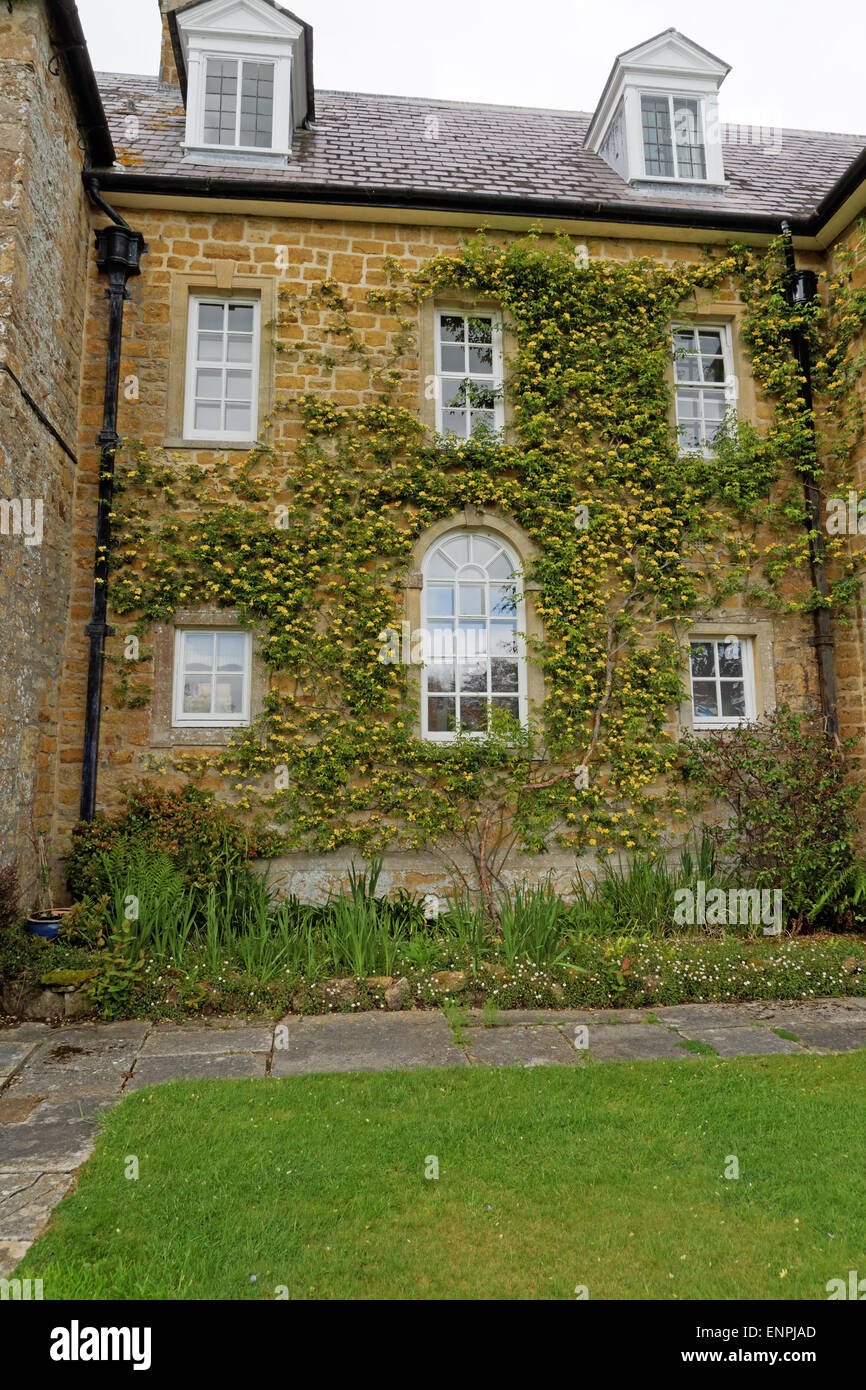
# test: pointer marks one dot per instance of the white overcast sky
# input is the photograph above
(795, 63)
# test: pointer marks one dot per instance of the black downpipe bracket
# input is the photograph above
(802, 288)
(118, 254)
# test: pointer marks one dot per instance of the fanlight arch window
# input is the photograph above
(472, 619)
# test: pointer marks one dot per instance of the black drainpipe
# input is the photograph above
(801, 289)
(118, 253)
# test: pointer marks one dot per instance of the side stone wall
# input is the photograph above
(44, 232)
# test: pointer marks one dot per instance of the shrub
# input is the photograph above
(792, 809)
(201, 837)
(9, 895)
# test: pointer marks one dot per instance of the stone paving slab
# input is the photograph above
(60, 1145)
(89, 1058)
(366, 1042)
(198, 1066)
(745, 1041)
(633, 1042)
(12, 1054)
(783, 1012)
(26, 1201)
(522, 1046)
(686, 1016)
(476, 1018)
(173, 1040)
(831, 1037)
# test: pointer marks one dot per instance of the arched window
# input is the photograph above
(472, 622)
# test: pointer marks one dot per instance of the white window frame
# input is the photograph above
(725, 721)
(192, 363)
(498, 368)
(238, 59)
(672, 98)
(182, 720)
(449, 736)
(728, 389)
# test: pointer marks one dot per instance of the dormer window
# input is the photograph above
(239, 103)
(244, 69)
(673, 144)
(657, 121)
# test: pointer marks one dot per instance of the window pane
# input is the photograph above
(500, 568)
(472, 639)
(483, 550)
(440, 675)
(730, 658)
(481, 361)
(453, 392)
(480, 397)
(440, 567)
(239, 386)
(240, 349)
(454, 422)
(240, 318)
(472, 598)
(197, 651)
(197, 695)
(705, 699)
(211, 316)
(480, 330)
(734, 699)
(230, 651)
(703, 658)
(688, 404)
(710, 342)
(511, 707)
(658, 148)
(451, 328)
(238, 419)
(440, 601)
(687, 368)
(473, 675)
(503, 639)
(503, 674)
(714, 369)
(473, 715)
(229, 695)
(482, 419)
(209, 384)
(452, 358)
(458, 550)
(503, 600)
(208, 417)
(210, 347)
(440, 714)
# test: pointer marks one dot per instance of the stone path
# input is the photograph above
(55, 1081)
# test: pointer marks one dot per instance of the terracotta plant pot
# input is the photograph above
(47, 924)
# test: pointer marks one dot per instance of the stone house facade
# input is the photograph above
(251, 189)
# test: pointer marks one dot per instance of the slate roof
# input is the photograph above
(422, 148)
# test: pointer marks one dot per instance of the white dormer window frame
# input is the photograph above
(674, 102)
(672, 70)
(241, 41)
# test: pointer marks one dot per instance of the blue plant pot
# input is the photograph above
(46, 927)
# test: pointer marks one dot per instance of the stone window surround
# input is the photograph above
(737, 624)
(163, 734)
(462, 301)
(225, 281)
(503, 529)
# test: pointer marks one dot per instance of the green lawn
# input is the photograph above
(607, 1175)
